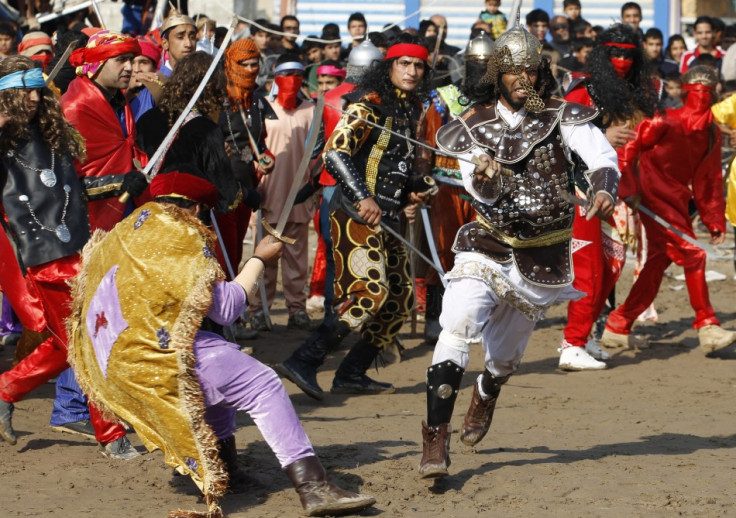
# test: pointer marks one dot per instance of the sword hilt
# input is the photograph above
(278, 235)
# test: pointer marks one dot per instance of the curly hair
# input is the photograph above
(619, 99)
(377, 78)
(184, 81)
(56, 132)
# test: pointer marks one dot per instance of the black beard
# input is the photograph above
(506, 94)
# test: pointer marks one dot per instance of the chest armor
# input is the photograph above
(530, 221)
(387, 160)
(531, 203)
(47, 214)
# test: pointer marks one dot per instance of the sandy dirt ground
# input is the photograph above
(654, 435)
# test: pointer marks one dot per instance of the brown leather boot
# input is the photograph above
(436, 450)
(318, 494)
(478, 419)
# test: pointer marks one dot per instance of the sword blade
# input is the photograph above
(432, 246)
(392, 132)
(679, 233)
(411, 247)
(62, 60)
(164, 146)
(302, 169)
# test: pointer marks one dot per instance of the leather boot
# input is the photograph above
(432, 326)
(350, 377)
(301, 367)
(318, 494)
(238, 480)
(6, 422)
(480, 413)
(435, 450)
(443, 385)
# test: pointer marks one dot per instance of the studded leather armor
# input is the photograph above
(45, 208)
(530, 220)
(368, 161)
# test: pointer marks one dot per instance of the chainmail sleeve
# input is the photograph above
(345, 141)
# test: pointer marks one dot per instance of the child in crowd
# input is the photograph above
(571, 8)
(8, 37)
(493, 17)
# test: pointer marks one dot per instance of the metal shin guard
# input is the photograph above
(480, 414)
(443, 384)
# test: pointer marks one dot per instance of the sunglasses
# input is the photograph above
(558, 27)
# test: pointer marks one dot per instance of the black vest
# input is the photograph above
(60, 227)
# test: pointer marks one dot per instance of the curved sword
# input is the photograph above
(432, 245)
(278, 231)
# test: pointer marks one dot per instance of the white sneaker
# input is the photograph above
(593, 349)
(315, 303)
(577, 359)
(630, 341)
(714, 337)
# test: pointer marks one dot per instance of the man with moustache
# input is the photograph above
(95, 105)
(513, 262)
(372, 166)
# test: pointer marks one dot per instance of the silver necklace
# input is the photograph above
(61, 230)
(48, 177)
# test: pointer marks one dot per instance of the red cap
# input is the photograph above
(184, 185)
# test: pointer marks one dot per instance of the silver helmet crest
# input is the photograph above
(480, 47)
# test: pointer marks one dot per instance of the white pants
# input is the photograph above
(471, 313)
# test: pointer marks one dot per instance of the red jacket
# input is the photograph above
(109, 151)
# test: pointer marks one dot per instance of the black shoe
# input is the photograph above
(238, 480)
(6, 422)
(302, 375)
(83, 427)
(350, 377)
(360, 384)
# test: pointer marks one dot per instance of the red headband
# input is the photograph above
(104, 52)
(184, 185)
(331, 70)
(27, 44)
(620, 45)
(407, 49)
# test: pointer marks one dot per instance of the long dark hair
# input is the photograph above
(183, 82)
(620, 99)
(57, 133)
(377, 78)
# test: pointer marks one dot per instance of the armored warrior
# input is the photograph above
(372, 166)
(514, 261)
(43, 204)
(451, 207)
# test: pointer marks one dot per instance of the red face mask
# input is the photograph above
(44, 59)
(696, 111)
(621, 66)
(288, 89)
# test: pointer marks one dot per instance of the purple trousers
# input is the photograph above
(231, 380)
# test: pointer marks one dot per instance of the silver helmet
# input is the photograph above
(517, 48)
(515, 51)
(480, 47)
(361, 57)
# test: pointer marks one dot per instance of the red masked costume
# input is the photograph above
(109, 135)
(679, 157)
